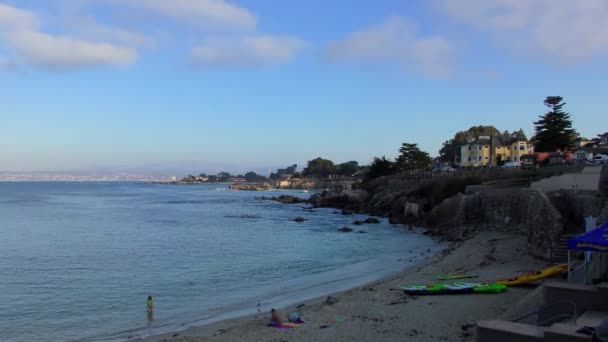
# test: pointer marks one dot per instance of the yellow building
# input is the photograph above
(493, 151)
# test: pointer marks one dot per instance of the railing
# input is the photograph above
(559, 317)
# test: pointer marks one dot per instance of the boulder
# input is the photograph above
(371, 220)
(251, 187)
(285, 199)
(411, 211)
(339, 199)
(518, 210)
(331, 300)
(345, 229)
(347, 212)
(299, 219)
(358, 223)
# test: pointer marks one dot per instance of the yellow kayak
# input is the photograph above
(530, 277)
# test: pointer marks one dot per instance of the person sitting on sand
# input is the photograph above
(150, 304)
(274, 317)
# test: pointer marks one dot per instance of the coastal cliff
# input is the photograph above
(457, 207)
(338, 184)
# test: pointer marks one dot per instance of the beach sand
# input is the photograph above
(377, 313)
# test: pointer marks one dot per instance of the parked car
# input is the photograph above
(600, 159)
(510, 165)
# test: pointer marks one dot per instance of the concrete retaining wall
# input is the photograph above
(588, 179)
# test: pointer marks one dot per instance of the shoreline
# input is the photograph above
(402, 261)
(374, 312)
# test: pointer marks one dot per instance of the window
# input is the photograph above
(522, 147)
(515, 158)
(469, 158)
(487, 146)
(487, 158)
(509, 158)
(509, 148)
(479, 158)
(469, 147)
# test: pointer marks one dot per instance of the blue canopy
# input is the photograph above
(593, 241)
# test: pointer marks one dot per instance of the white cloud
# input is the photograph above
(556, 30)
(248, 51)
(396, 41)
(212, 15)
(14, 18)
(21, 35)
(87, 27)
(65, 53)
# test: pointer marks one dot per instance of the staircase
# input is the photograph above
(560, 255)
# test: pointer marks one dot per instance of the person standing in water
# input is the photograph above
(150, 304)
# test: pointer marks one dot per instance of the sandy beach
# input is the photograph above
(377, 313)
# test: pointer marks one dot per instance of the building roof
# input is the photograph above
(497, 140)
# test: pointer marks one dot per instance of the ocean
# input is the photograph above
(78, 260)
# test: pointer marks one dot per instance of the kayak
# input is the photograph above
(454, 288)
(459, 276)
(488, 288)
(530, 277)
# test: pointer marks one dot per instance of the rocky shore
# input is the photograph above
(251, 187)
(458, 207)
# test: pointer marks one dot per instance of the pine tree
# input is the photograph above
(412, 158)
(554, 129)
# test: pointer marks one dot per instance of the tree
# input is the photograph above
(319, 168)
(348, 168)
(203, 175)
(380, 167)
(554, 129)
(520, 135)
(223, 176)
(288, 171)
(450, 151)
(254, 177)
(412, 158)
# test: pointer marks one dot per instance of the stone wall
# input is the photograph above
(522, 211)
(588, 179)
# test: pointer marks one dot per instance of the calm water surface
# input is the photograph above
(77, 260)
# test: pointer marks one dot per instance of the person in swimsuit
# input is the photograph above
(274, 317)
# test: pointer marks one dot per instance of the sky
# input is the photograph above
(209, 84)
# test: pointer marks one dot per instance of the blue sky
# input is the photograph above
(109, 84)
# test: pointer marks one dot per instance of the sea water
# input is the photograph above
(78, 260)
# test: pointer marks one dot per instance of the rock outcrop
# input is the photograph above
(346, 199)
(520, 210)
(251, 187)
(285, 199)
